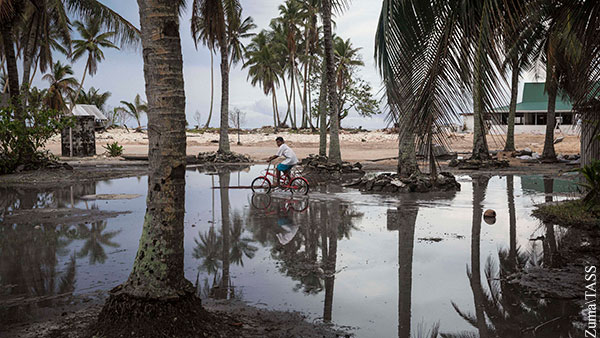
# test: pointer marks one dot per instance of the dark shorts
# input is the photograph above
(284, 167)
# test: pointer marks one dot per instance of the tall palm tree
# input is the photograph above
(135, 109)
(92, 41)
(219, 18)
(61, 85)
(199, 34)
(335, 155)
(263, 68)
(291, 16)
(346, 58)
(42, 24)
(158, 275)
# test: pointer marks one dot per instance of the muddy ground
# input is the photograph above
(247, 320)
(72, 321)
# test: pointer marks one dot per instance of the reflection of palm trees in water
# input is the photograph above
(321, 225)
(403, 220)
(29, 277)
(505, 309)
(218, 251)
(95, 240)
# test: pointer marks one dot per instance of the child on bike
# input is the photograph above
(289, 161)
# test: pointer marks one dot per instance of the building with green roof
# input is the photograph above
(530, 117)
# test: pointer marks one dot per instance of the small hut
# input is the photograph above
(80, 140)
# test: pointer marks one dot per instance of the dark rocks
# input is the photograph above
(392, 183)
(317, 169)
(216, 157)
(471, 164)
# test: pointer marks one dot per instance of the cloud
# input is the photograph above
(121, 72)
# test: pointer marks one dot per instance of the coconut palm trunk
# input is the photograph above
(85, 71)
(590, 143)
(334, 141)
(551, 88)
(514, 90)
(157, 275)
(11, 65)
(212, 89)
(224, 128)
(407, 157)
(28, 57)
(323, 114)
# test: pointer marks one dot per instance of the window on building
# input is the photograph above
(567, 118)
(540, 119)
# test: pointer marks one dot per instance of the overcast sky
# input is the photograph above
(121, 72)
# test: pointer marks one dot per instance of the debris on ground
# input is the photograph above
(217, 157)
(393, 183)
(317, 169)
(472, 164)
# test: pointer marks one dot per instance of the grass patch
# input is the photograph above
(572, 213)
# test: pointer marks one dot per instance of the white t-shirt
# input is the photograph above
(288, 153)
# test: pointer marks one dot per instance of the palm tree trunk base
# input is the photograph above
(123, 314)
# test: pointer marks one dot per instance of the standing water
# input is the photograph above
(379, 265)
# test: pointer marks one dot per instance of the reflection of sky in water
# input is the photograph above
(366, 285)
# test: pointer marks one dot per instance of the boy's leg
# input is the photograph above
(278, 177)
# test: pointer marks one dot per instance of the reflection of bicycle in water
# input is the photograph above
(264, 201)
(283, 210)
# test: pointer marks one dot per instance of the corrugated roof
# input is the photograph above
(88, 110)
(535, 99)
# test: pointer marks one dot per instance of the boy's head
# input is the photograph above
(279, 140)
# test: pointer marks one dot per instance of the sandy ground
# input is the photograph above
(359, 146)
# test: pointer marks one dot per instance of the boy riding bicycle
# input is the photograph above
(289, 161)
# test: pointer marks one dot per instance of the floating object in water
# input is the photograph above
(489, 213)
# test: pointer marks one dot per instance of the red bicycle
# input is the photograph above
(297, 184)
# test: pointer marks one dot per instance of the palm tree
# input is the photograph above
(92, 42)
(346, 58)
(263, 68)
(61, 85)
(12, 15)
(291, 15)
(158, 271)
(218, 18)
(135, 109)
(334, 141)
(429, 52)
(94, 97)
(199, 34)
(42, 24)
(239, 30)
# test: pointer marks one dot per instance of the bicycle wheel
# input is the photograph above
(261, 184)
(261, 201)
(299, 185)
(299, 206)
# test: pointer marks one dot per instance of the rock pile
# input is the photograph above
(393, 183)
(216, 157)
(470, 164)
(317, 169)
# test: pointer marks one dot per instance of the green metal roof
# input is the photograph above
(536, 99)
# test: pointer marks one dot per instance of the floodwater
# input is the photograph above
(382, 266)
